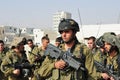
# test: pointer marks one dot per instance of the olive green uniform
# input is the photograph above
(106, 59)
(113, 62)
(100, 57)
(7, 66)
(47, 70)
(41, 52)
(32, 55)
(2, 56)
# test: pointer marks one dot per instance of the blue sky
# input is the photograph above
(38, 13)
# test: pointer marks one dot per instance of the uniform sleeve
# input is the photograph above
(32, 55)
(6, 66)
(31, 58)
(89, 63)
(47, 67)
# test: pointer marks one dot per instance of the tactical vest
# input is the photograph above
(77, 51)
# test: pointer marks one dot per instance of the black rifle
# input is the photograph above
(103, 69)
(25, 68)
(66, 56)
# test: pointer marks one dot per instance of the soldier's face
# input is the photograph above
(1, 46)
(91, 44)
(67, 35)
(107, 46)
(30, 44)
(45, 42)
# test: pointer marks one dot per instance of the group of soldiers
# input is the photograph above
(99, 60)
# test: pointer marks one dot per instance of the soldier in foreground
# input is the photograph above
(57, 69)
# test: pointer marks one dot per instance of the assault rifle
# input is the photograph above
(25, 68)
(102, 68)
(66, 56)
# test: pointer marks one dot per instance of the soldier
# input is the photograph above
(58, 41)
(34, 56)
(52, 68)
(45, 41)
(14, 57)
(91, 43)
(33, 52)
(3, 52)
(111, 45)
(100, 43)
(101, 53)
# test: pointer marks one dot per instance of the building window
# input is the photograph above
(3, 31)
(14, 29)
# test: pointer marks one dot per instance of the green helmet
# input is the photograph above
(66, 24)
(112, 39)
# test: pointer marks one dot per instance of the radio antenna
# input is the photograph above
(81, 24)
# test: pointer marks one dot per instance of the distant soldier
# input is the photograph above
(34, 55)
(91, 42)
(45, 41)
(34, 51)
(3, 52)
(58, 41)
(11, 61)
(97, 51)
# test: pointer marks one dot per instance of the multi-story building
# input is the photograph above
(26, 30)
(57, 17)
(7, 33)
(38, 34)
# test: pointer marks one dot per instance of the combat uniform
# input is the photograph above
(7, 65)
(113, 62)
(100, 57)
(2, 56)
(110, 62)
(34, 58)
(32, 54)
(41, 53)
(81, 53)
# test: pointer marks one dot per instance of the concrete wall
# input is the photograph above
(97, 30)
